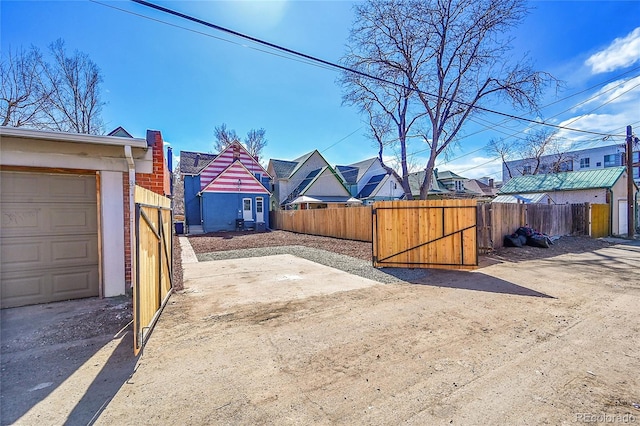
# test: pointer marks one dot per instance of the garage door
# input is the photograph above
(48, 238)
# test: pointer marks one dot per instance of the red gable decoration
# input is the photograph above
(231, 153)
(236, 178)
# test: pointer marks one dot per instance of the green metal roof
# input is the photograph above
(568, 181)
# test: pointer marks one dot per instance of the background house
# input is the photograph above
(307, 182)
(532, 198)
(602, 186)
(572, 161)
(445, 184)
(66, 204)
(368, 181)
(479, 186)
(224, 192)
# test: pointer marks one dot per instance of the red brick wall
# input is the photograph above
(158, 182)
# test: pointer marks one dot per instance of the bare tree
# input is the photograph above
(380, 48)
(457, 61)
(540, 152)
(75, 104)
(23, 96)
(504, 149)
(224, 137)
(63, 95)
(255, 142)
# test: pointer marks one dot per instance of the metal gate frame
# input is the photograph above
(143, 331)
(383, 262)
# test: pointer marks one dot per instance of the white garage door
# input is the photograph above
(48, 238)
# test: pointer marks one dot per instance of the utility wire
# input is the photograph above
(343, 68)
(336, 143)
(311, 60)
(160, 21)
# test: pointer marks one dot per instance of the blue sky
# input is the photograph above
(184, 83)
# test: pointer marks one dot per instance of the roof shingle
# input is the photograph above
(192, 163)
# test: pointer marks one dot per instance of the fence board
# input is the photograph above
(425, 234)
(554, 219)
(152, 285)
(494, 221)
(350, 223)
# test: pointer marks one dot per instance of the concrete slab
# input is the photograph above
(267, 279)
(187, 254)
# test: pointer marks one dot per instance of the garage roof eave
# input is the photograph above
(72, 137)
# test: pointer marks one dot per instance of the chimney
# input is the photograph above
(490, 183)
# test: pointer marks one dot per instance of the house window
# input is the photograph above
(566, 166)
(611, 160)
(599, 164)
(636, 173)
(584, 163)
(526, 170)
(459, 186)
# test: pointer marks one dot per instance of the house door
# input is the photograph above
(259, 210)
(247, 211)
(622, 217)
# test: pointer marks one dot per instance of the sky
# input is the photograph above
(163, 73)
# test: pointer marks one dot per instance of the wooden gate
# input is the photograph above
(437, 234)
(599, 220)
(153, 260)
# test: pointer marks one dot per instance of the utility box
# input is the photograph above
(260, 227)
(239, 224)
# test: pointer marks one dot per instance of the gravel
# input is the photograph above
(355, 256)
(352, 265)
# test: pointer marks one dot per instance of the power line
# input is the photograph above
(160, 21)
(311, 60)
(336, 143)
(343, 68)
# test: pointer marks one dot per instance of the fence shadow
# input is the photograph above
(64, 361)
(465, 280)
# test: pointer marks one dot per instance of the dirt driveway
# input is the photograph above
(553, 340)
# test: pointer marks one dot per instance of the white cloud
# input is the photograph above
(621, 53)
(608, 111)
(600, 123)
(617, 92)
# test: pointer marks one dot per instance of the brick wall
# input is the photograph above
(158, 182)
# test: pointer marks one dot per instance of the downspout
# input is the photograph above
(132, 211)
(611, 210)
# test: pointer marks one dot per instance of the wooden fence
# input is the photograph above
(599, 216)
(438, 234)
(494, 221)
(153, 262)
(349, 223)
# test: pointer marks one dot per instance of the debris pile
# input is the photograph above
(527, 236)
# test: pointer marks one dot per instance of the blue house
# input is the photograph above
(224, 192)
